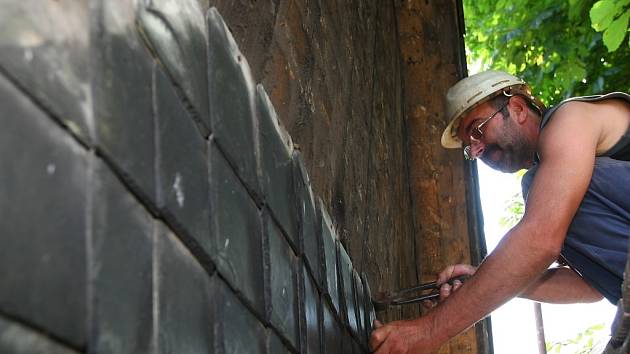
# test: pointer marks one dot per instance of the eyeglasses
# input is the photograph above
(477, 134)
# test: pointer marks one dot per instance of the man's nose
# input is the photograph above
(476, 148)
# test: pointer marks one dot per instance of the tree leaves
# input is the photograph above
(611, 17)
(552, 44)
(583, 343)
(615, 33)
(602, 14)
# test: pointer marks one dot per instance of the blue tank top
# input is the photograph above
(596, 245)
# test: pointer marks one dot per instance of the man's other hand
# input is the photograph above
(402, 337)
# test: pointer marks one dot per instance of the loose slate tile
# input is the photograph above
(329, 262)
(283, 284)
(122, 70)
(346, 291)
(359, 301)
(176, 31)
(185, 302)
(232, 101)
(275, 345)
(235, 243)
(182, 163)
(43, 208)
(370, 314)
(309, 315)
(18, 339)
(276, 167)
(308, 240)
(44, 46)
(331, 331)
(121, 268)
(236, 329)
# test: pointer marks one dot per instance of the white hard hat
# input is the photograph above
(473, 91)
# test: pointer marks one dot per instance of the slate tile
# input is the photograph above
(282, 282)
(276, 167)
(122, 69)
(331, 331)
(44, 46)
(232, 101)
(121, 267)
(43, 208)
(347, 344)
(185, 302)
(176, 31)
(309, 314)
(236, 329)
(359, 301)
(329, 262)
(18, 339)
(308, 240)
(346, 291)
(183, 194)
(358, 348)
(235, 242)
(275, 345)
(370, 313)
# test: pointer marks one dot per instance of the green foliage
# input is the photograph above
(583, 343)
(514, 206)
(562, 48)
(514, 211)
(611, 17)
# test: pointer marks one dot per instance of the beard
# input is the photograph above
(505, 159)
(512, 153)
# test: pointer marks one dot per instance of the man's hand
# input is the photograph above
(403, 337)
(446, 289)
(450, 272)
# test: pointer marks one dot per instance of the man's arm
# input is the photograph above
(561, 286)
(567, 148)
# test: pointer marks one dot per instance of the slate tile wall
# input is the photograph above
(156, 204)
(44, 188)
(120, 266)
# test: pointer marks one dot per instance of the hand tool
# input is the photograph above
(385, 299)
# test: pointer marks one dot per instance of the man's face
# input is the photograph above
(504, 146)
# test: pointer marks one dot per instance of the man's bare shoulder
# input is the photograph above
(572, 110)
(605, 121)
(572, 128)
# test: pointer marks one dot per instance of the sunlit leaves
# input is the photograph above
(602, 14)
(514, 206)
(615, 33)
(551, 44)
(611, 17)
(583, 343)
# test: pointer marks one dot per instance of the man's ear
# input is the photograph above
(519, 109)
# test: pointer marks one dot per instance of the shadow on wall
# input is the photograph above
(151, 201)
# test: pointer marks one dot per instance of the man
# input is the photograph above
(577, 194)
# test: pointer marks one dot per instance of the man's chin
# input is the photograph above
(502, 166)
(510, 169)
